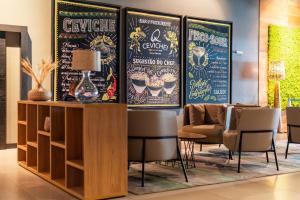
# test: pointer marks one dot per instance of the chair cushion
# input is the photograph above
(197, 114)
(214, 132)
(231, 139)
(221, 115)
(211, 113)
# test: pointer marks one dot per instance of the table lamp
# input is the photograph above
(277, 73)
(86, 61)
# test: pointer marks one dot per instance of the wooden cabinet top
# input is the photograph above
(69, 104)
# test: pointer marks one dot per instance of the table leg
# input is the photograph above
(189, 156)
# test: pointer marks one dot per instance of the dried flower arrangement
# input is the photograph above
(44, 69)
(38, 93)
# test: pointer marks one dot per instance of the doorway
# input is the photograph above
(15, 44)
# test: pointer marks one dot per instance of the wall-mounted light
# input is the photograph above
(238, 52)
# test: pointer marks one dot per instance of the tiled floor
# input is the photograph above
(18, 184)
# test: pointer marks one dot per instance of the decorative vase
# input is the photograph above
(39, 94)
(86, 91)
(47, 124)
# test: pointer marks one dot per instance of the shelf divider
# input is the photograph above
(75, 163)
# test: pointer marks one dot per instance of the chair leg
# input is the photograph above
(230, 155)
(200, 147)
(181, 162)
(219, 145)
(143, 174)
(267, 156)
(287, 149)
(240, 152)
(275, 155)
(143, 162)
(239, 164)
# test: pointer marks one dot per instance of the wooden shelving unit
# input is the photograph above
(85, 151)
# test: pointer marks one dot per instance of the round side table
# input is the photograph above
(189, 139)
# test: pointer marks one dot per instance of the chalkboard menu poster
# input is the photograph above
(208, 61)
(83, 25)
(153, 57)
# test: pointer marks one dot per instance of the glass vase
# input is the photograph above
(86, 91)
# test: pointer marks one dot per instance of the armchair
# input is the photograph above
(153, 136)
(255, 133)
(293, 124)
(213, 121)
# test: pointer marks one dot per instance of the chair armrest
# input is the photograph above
(228, 117)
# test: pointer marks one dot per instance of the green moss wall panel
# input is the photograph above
(284, 44)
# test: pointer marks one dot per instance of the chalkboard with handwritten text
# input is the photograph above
(208, 61)
(153, 59)
(83, 25)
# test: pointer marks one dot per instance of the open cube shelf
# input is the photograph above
(75, 135)
(22, 112)
(22, 155)
(43, 112)
(32, 123)
(77, 154)
(75, 179)
(58, 165)
(58, 124)
(21, 134)
(32, 157)
(43, 154)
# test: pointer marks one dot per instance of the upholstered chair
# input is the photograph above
(255, 133)
(153, 136)
(293, 124)
(206, 119)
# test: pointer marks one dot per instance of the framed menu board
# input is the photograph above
(153, 58)
(208, 61)
(87, 25)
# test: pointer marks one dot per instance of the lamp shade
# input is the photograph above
(86, 60)
(277, 70)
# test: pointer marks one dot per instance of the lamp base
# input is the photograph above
(277, 102)
(86, 91)
(277, 99)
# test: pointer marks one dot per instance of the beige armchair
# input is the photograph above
(206, 119)
(255, 133)
(153, 136)
(293, 124)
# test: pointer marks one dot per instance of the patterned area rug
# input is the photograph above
(213, 167)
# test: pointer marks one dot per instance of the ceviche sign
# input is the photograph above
(153, 59)
(86, 26)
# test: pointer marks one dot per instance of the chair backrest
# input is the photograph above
(186, 115)
(293, 119)
(293, 115)
(208, 108)
(233, 112)
(259, 124)
(256, 119)
(152, 123)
